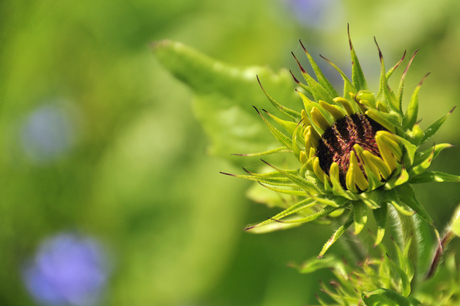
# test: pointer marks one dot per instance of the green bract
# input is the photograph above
(357, 152)
(377, 281)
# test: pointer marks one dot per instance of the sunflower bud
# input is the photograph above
(357, 151)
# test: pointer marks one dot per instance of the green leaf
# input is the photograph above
(360, 211)
(322, 213)
(288, 126)
(372, 199)
(276, 181)
(273, 227)
(387, 297)
(433, 129)
(405, 261)
(423, 163)
(357, 75)
(224, 96)
(348, 86)
(392, 117)
(412, 110)
(407, 195)
(410, 150)
(316, 89)
(400, 207)
(260, 194)
(385, 92)
(319, 74)
(339, 232)
(392, 69)
(402, 178)
(292, 192)
(268, 152)
(380, 216)
(296, 179)
(315, 264)
(415, 135)
(404, 279)
(287, 111)
(401, 85)
(302, 205)
(280, 136)
(419, 157)
(435, 176)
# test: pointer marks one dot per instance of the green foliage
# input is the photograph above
(224, 99)
(135, 175)
(387, 176)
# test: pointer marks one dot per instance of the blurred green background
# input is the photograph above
(98, 138)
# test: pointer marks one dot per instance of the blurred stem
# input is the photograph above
(356, 252)
(408, 231)
(439, 252)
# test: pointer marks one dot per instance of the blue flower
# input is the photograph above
(48, 132)
(317, 13)
(67, 270)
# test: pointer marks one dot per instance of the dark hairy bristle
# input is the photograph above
(336, 143)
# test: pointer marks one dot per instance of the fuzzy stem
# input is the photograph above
(355, 248)
(439, 253)
(408, 230)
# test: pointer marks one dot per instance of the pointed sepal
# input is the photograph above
(339, 232)
(357, 74)
(433, 129)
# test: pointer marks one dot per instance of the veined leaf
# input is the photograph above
(224, 96)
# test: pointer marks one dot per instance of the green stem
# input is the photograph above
(408, 230)
(439, 253)
(355, 247)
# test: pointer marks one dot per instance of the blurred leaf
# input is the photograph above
(168, 212)
(315, 264)
(407, 195)
(385, 297)
(224, 98)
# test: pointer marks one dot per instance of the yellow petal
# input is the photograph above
(359, 177)
(317, 169)
(350, 179)
(392, 144)
(346, 104)
(319, 119)
(385, 152)
(311, 140)
(332, 109)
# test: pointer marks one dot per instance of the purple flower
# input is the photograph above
(67, 270)
(48, 132)
(316, 13)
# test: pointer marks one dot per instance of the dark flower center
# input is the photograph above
(337, 142)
